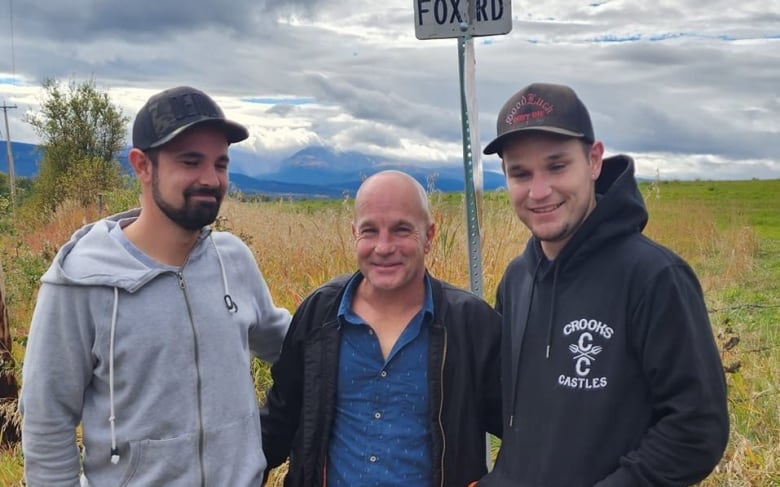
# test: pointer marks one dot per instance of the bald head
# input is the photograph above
(393, 232)
(397, 184)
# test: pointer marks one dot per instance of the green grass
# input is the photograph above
(755, 201)
(747, 307)
(11, 466)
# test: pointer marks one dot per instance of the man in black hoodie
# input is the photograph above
(611, 375)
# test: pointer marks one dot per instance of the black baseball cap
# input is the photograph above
(542, 107)
(171, 112)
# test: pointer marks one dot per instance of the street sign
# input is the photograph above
(442, 19)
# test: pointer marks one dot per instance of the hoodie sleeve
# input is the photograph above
(271, 321)
(57, 368)
(266, 337)
(680, 360)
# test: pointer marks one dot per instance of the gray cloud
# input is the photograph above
(683, 78)
(281, 110)
(147, 20)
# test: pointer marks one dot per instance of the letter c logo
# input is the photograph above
(585, 347)
(583, 366)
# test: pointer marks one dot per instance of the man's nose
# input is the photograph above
(539, 187)
(384, 244)
(209, 176)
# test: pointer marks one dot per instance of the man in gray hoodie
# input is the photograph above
(145, 321)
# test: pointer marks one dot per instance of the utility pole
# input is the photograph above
(11, 176)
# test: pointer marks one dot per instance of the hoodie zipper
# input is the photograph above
(196, 354)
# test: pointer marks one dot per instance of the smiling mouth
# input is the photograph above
(203, 196)
(546, 209)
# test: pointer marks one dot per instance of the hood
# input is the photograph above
(619, 210)
(92, 257)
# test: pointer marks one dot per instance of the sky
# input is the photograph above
(690, 89)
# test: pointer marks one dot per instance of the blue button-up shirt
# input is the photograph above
(381, 429)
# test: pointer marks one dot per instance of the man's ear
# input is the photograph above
(596, 156)
(430, 232)
(141, 164)
(354, 233)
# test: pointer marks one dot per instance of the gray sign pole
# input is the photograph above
(466, 45)
(465, 42)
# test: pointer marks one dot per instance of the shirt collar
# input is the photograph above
(345, 312)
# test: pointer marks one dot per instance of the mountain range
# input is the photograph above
(313, 172)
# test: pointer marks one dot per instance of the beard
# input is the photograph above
(191, 215)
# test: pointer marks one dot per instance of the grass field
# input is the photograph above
(728, 231)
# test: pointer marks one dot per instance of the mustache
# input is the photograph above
(203, 191)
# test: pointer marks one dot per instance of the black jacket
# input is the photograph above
(633, 391)
(464, 387)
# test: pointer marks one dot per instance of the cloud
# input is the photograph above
(688, 83)
(150, 20)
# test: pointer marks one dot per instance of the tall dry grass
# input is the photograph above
(300, 245)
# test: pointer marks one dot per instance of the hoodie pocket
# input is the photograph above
(170, 462)
(234, 453)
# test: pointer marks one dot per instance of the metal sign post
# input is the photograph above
(473, 184)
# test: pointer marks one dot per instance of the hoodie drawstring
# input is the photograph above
(112, 418)
(552, 311)
(229, 303)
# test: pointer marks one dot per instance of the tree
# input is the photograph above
(81, 133)
(23, 189)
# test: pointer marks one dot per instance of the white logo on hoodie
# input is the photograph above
(585, 353)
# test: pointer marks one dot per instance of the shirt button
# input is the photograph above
(383, 373)
(372, 459)
(370, 331)
(377, 415)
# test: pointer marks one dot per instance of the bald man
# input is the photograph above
(388, 376)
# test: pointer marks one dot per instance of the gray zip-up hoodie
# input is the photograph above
(153, 361)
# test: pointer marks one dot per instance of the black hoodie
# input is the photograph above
(611, 375)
